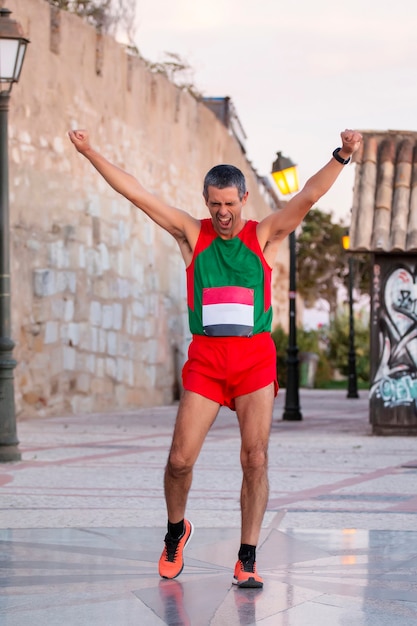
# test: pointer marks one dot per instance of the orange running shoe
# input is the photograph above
(171, 562)
(246, 575)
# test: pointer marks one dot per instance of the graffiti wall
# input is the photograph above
(393, 394)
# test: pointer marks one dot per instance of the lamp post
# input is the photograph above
(284, 173)
(352, 377)
(12, 51)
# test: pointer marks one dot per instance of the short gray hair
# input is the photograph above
(222, 176)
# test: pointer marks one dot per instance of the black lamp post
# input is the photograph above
(284, 173)
(352, 377)
(12, 51)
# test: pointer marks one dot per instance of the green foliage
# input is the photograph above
(331, 344)
(307, 341)
(338, 344)
(280, 339)
(322, 263)
(320, 258)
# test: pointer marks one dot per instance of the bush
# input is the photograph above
(338, 337)
(280, 339)
(307, 341)
(331, 344)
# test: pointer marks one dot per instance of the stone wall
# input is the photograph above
(98, 291)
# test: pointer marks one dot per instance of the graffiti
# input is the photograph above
(395, 323)
(407, 303)
(397, 391)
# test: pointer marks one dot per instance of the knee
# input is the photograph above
(254, 460)
(178, 465)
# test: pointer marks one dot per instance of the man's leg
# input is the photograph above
(254, 411)
(196, 415)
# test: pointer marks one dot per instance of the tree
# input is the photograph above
(322, 264)
(320, 260)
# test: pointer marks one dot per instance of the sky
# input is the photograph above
(298, 72)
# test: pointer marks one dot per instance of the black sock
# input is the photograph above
(176, 530)
(247, 553)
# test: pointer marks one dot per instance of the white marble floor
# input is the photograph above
(108, 577)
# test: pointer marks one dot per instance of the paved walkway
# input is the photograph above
(83, 519)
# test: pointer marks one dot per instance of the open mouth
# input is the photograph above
(224, 222)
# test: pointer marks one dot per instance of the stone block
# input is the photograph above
(41, 311)
(68, 358)
(66, 281)
(117, 316)
(94, 265)
(51, 332)
(102, 289)
(138, 309)
(126, 348)
(97, 386)
(112, 343)
(93, 339)
(123, 288)
(91, 363)
(95, 313)
(58, 255)
(81, 257)
(134, 397)
(55, 360)
(110, 367)
(44, 282)
(39, 367)
(108, 316)
(38, 344)
(74, 334)
(82, 404)
(102, 340)
(58, 308)
(83, 383)
(104, 257)
(68, 310)
(100, 368)
(93, 204)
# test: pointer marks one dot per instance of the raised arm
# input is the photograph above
(181, 225)
(274, 228)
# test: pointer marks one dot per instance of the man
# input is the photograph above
(231, 358)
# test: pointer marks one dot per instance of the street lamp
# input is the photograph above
(12, 52)
(352, 377)
(284, 173)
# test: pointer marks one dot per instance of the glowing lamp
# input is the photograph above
(284, 173)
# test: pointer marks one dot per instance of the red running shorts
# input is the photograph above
(223, 368)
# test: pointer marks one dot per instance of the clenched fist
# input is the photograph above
(80, 139)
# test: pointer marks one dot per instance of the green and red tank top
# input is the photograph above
(229, 284)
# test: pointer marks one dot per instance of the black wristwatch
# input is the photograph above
(338, 158)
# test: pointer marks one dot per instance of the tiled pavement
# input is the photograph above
(83, 519)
